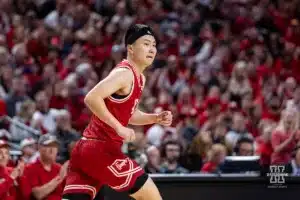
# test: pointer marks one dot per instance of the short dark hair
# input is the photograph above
(169, 142)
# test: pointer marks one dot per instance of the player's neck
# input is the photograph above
(138, 67)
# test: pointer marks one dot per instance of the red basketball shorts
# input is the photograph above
(95, 163)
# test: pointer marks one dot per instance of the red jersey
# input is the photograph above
(121, 109)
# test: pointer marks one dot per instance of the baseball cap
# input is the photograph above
(27, 142)
(47, 139)
(3, 143)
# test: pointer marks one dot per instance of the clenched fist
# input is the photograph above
(164, 118)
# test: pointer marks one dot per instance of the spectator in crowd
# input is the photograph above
(219, 133)
(9, 176)
(295, 101)
(238, 130)
(16, 96)
(273, 108)
(189, 130)
(171, 152)
(239, 84)
(285, 137)
(197, 151)
(6, 74)
(24, 116)
(153, 158)
(44, 178)
(244, 147)
(43, 118)
(65, 135)
(263, 145)
(216, 156)
(28, 147)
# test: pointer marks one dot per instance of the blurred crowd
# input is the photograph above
(228, 70)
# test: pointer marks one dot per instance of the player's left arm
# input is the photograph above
(141, 118)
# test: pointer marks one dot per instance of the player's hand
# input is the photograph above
(164, 118)
(126, 133)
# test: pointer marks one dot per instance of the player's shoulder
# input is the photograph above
(122, 73)
(122, 69)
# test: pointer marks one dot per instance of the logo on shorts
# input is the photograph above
(123, 168)
(277, 176)
(120, 164)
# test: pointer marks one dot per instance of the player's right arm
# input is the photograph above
(118, 79)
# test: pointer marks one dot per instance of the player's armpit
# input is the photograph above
(141, 118)
(94, 100)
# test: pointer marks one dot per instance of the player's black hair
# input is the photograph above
(136, 31)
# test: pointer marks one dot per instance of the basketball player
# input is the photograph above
(97, 159)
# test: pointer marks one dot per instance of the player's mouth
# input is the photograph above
(151, 57)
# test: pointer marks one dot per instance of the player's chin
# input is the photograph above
(149, 61)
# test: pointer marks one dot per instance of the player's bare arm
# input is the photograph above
(141, 118)
(119, 80)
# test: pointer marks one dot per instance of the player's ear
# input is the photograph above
(130, 48)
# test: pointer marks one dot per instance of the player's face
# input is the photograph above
(144, 50)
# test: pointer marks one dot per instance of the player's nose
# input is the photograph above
(152, 50)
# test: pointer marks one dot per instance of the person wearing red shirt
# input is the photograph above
(264, 146)
(44, 179)
(285, 137)
(216, 156)
(8, 176)
(272, 110)
(114, 102)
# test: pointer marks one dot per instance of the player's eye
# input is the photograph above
(146, 44)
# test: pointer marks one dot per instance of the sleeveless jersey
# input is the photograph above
(121, 109)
